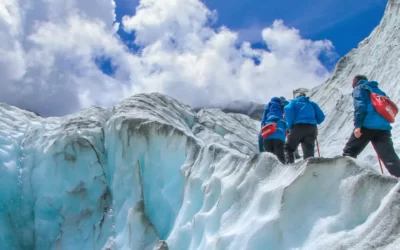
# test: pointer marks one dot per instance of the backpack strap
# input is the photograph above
(364, 87)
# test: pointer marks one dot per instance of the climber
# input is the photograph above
(302, 118)
(370, 126)
(273, 106)
(273, 113)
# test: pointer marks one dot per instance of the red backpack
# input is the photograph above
(268, 130)
(383, 105)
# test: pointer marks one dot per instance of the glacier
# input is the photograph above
(153, 173)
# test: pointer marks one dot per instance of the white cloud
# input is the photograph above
(47, 57)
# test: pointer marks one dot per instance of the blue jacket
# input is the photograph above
(364, 113)
(280, 133)
(302, 110)
(273, 108)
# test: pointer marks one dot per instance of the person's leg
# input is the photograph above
(293, 141)
(279, 150)
(308, 143)
(383, 145)
(355, 146)
(296, 154)
(260, 143)
(268, 146)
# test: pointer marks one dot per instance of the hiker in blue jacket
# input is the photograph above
(302, 118)
(274, 113)
(274, 107)
(370, 126)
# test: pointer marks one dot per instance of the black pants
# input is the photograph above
(304, 134)
(296, 154)
(382, 142)
(276, 147)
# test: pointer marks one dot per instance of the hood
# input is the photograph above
(276, 99)
(372, 84)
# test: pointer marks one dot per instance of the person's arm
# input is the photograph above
(265, 115)
(360, 106)
(289, 113)
(319, 114)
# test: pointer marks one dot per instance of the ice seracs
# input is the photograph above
(152, 174)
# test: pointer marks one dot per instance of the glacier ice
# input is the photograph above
(62, 187)
(152, 174)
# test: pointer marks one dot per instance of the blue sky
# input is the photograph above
(344, 22)
(68, 55)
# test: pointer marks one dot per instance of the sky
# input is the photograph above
(60, 56)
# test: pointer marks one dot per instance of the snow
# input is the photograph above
(151, 173)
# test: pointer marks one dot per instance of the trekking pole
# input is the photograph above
(380, 163)
(319, 154)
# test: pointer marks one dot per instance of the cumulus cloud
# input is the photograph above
(50, 49)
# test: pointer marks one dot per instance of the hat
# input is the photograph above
(299, 94)
(358, 78)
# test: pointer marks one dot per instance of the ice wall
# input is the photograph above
(147, 140)
(15, 221)
(61, 198)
